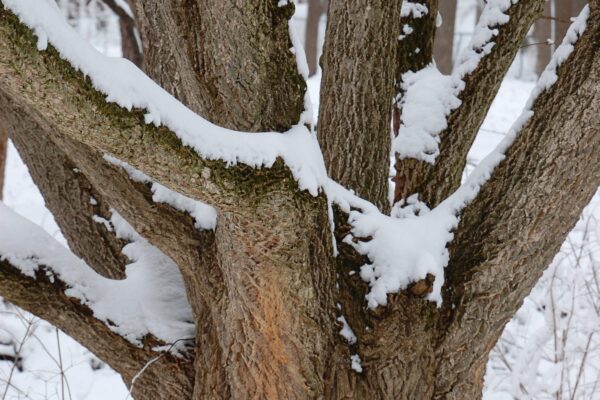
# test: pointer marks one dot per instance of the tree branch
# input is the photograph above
(435, 182)
(509, 234)
(47, 300)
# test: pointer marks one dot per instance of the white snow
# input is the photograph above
(416, 10)
(127, 86)
(428, 96)
(150, 300)
(346, 331)
(204, 215)
(356, 363)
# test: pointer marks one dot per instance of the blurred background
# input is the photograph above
(550, 349)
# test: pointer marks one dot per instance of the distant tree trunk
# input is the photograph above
(130, 47)
(542, 33)
(444, 36)
(565, 10)
(315, 11)
(3, 154)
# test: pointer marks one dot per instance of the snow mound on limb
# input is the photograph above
(126, 85)
(150, 300)
(428, 97)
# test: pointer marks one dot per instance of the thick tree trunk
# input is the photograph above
(228, 61)
(444, 36)
(356, 93)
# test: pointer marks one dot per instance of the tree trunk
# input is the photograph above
(311, 43)
(356, 93)
(444, 37)
(543, 33)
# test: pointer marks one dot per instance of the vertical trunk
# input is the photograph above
(265, 302)
(130, 48)
(543, 32)
(311, 44)
(444, 36)
(221, 58)
(3, 154)
(356, 94)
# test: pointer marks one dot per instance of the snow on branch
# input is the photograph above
(204, 215)
(124, 84)
(428, 97)
(150, 300)
(406, 247)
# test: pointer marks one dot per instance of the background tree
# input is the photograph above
(444, 36)
(265, 290)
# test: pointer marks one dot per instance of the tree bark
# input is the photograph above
(356, 93)
(218, 57)
(444, 37)
(513, 229)
(264, 285)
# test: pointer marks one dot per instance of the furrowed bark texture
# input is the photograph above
(263, 284)
(415, 51)
(435, 182)
(356, 93)
(510, 233)
(228, 61)
(168, 378)
(443, 48)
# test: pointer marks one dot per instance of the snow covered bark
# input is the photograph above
(356, 93)
(515, 226)
(434, 182)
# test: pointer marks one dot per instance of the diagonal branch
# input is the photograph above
(435, 182)
(509, 234)
(47, 300)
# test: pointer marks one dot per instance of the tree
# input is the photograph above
(316, 8)
(444, 40)
(268, 297)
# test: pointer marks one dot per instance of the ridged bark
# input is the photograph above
(356, 93)
(229, 61)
